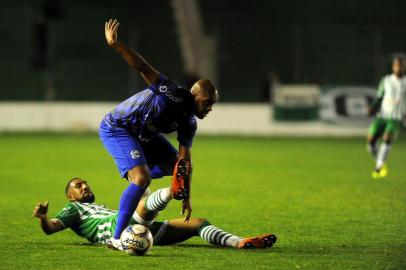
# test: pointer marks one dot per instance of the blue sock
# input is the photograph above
(128, 203)
(157, 172)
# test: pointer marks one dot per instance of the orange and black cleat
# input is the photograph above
(259, 242)
(181, 180)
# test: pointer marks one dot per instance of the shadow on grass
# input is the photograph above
(193, 246)
(182, 245)
(86, 244)
(300, 249)
(348, 249)
(222, 249)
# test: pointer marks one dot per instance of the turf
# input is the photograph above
(315, 194)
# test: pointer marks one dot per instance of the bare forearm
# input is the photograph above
(137, 62)
(49, 226)
(131, 57)
(185, 153)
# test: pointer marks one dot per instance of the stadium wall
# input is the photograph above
(247, 119)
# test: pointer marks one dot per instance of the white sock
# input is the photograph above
(382, 155)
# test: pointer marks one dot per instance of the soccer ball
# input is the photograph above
(136, 240)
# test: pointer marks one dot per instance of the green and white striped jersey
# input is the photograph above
(392, 90)
(89, 220)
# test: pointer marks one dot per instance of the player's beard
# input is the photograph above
(88, 199)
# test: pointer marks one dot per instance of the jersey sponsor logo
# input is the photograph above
(172, 97)
(163, 89)
(135, 154)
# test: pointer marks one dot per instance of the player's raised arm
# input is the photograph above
(49, 226)
(135, 60)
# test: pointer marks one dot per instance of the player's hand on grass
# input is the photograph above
(41, 210)
(186, 207)
(110, 30)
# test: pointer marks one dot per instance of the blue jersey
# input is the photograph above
(164, 107)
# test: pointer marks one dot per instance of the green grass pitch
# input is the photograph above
(315, 194)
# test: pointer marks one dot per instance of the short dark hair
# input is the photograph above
(399, 56)
(68, 184)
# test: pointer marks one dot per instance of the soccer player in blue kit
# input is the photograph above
(131, 133)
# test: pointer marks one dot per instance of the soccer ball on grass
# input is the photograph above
(136, 240)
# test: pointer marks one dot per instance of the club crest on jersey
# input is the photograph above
(135, 154)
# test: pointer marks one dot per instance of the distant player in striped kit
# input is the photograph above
(389, 107)
(97, 223)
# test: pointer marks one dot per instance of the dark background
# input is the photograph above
(61, 43)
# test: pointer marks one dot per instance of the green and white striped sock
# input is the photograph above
(218, 237)
(158, 200)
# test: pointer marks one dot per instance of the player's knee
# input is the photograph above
(198, 221)
(143, 180)
(140, 177)
(371, 140)
(194, 224)
(387, 138)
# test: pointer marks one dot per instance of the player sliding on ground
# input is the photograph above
(97, 223)
(390, 108)
(131, 132)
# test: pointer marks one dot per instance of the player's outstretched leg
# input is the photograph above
(140, 180)
(218, 237)
(177, 231)
(372, 148)
(375, 131)
(381, 169)
(151, 204)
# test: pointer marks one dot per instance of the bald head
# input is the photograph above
(205, 94)
(205, 88)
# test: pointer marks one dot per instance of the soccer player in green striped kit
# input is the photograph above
(97, 223)
(389, 106)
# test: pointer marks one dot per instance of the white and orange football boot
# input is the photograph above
(259, 242)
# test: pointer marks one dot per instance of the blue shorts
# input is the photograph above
(128, 152)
